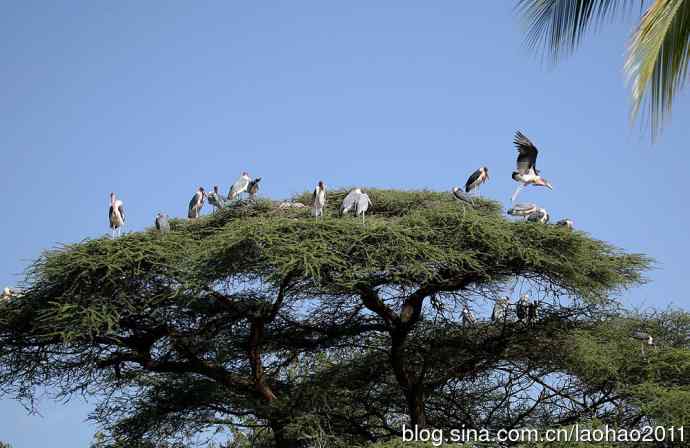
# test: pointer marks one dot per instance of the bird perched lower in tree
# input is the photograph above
(196, 203)
(318, 200)
(468, 318)
(476, 179)
(533, 312)
(162, 224)
(500, 311)
(253, 187)
(363, 203)
(527, 173)
(540, 215)
(239, 186)
(462, 196)
(350, 201)
(522, 308)
(646, 339)
(116, 215)
(524, 209)
(215, 198)
(567, 223)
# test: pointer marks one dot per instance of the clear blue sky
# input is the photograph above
(152, 99)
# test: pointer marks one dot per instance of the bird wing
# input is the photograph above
(527, 157)
(158, 222)
(111, 213)
(314, 195)
(193, 202)
(349, 201)
(472, 179)
(363, 202)
(121, 209)
(239, 186)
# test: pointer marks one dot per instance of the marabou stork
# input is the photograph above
(476, 179)
(500, 311)
(196, 203)
(162, 224)
(363, 203)
(318, 200)
(350, 201)
(116, 215)
(523, 209)
(462, 196)
(522, 308)
(540, 215)
(533, 312)
(253, 187)
(239, 186)
(215, 198)
(527, 172)
(468, 318)
(567, 223)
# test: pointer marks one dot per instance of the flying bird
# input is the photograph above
(568, 223)
(523, 209)
(527, 172)
(539, 215)
(215, 199)
(468, 317)
(350, 201)
(253, 187)
(162, 224)
(239, 186)
(196, 203)
(462, 196)
(500, 311)
(363, 203)
(522, 308)
(116, 215)
(476, 179)
(318, 199)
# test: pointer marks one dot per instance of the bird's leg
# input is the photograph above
(517, 191)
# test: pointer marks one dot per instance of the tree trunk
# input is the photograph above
(415, 405)
(282, 439)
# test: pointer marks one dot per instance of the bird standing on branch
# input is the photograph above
(215, 199)
(6, 294)
(363, 203)
(567, 223)
(462, 196)
(524, 209)
(162, 224)
(239, 186)
(500, 311)
(318, 200)
(468, 318)
(522, 308)
(476, 179)
(527, 173)
(350, 201)
(253, 187)
(196, 203)
(540, 215)
(116, 215)
(646, 339)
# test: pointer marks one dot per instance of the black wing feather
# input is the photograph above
(527, 159)
(473, 178)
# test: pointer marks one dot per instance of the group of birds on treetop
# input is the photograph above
(526, 174)
(525, 310)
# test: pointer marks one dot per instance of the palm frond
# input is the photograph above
(558, 26)
(658, 59)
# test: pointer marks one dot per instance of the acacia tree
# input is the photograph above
(263, 319)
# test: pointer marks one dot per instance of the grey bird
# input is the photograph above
(363, 203)
(253, 187)
(540, 215)
(116, 215)
(523, 209)
(462, 196)
(468, 318)
(522, 308)
(318, 200)
(215, 198)
(646, 339)
(527, 172)
(239, 186)
(567, 223)
(350, 201)
(500, 311)
(476, 179)
(196, 203)
(162, 224)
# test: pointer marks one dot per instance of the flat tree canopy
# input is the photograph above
(285, 330)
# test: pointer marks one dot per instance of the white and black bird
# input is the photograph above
(533, 312)
(645, 338)
(363, 203)
(116, 215)
(468, 318)
(567, 223)
(215, 198)
(527, 172)
(540, 215)
(523, 209)
(318, 200)
(462, 196)
(253, 187)
(500, 311)
(350, 201)
(239, 186)
(162, 224)
(476, 179)
(196, 203)
(522, 308)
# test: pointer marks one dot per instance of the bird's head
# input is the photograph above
(257, 180)
(201, 189)
(215, 189)
(546, 183)
(486, 171)
(244, 173)
(321, 184)
(112, 195)
(455, 189)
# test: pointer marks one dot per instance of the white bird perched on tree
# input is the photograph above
(500, 311)
(239, 186)
(215, 199)
(468, 318)
(462, 196)
(350, 201)
(363, 203)
(527, 173)
(6, 294)
(162, 224)
(524, 209)
(522, 308)
(476, 179)
(318, 199)
(567, 223)
(116, 215)
(253, 187)
(540, 215)
(196, 203)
